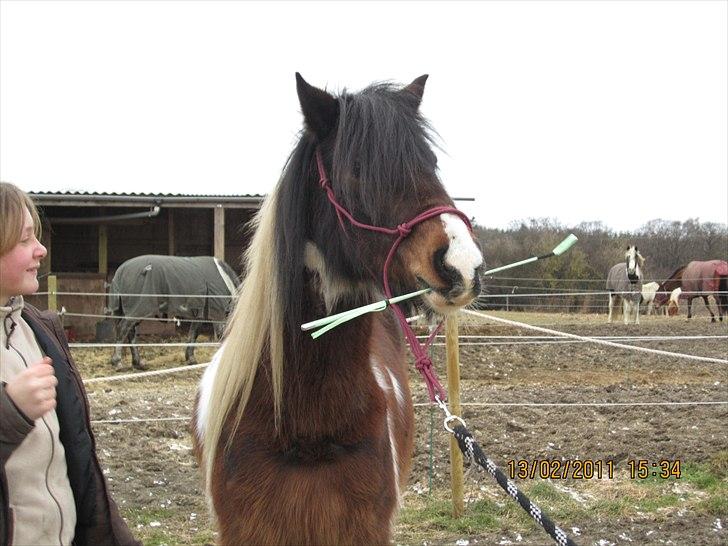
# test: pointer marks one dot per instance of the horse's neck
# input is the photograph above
(347, 346)
(330, 384)
(663, 290)
(672, 284)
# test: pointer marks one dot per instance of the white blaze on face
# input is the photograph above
(633, 266)
(631, 261)
(462, 254)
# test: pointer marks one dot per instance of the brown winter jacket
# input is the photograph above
(98, 522)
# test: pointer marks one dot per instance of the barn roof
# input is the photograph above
(113, 199)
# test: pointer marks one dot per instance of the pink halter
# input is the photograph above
(422, 360)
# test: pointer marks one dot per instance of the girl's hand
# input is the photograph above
(33, 390)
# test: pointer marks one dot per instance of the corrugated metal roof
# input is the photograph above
(175, 200)
(146, 195)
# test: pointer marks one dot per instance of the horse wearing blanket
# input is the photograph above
(306, 441)
(703, 279)
(625, 281)
(195, 288)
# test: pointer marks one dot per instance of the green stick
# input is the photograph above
(329, 323)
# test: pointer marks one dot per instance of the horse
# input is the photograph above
(625, 281)
(197, 288)
(667, 287)
(673, 306)
(701, 279)
(648, 296)
(304, 441)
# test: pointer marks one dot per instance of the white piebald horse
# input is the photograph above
(649, 290)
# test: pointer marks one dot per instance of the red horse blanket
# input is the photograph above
(703, 276)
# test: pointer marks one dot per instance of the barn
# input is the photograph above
(88, 235)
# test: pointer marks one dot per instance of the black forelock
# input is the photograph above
(381, 167)
(382, 153)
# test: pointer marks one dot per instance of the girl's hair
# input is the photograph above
(13, 202)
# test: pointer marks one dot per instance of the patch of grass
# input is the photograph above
(432, 516)
(716, 505)
(629, 505)
(542, 491)
(144, 516)
(613, 507)
(654, 504)
(719, 464)
(159, 537)
(174, 529)
(437, 514)
(701, 476)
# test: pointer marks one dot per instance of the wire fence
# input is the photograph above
(567, 405)
(542, 297)
(470, 340)
(593, 340)
(549, 337)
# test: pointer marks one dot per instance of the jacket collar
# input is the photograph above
(13, 307)
(9, 316)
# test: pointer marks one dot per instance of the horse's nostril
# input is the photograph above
(449, 276)
(439, 258)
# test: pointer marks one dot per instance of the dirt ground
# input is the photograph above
(155, 481)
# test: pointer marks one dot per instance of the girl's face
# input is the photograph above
(19, 267)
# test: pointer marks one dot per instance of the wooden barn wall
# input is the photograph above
(75, 246)
(135, 238)
(74, 255)
(78, 328)
(74, 249)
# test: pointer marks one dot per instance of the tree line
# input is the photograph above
(665, 245)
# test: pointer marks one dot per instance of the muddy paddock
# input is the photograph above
(141, 428)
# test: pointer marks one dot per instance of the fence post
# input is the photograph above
(453, 389)
(103, 250)
(52, 290)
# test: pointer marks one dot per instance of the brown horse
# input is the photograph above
(662, 296)
(703, 279)
(699, 280)
(306, 441)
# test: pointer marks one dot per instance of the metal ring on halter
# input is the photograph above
(453, 418)
(448, 416)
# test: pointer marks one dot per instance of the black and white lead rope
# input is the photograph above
(474, 453)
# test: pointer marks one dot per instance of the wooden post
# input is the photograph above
(52, 290)
(219, 232)
(103, 250)
(170, 232)
(453, 390)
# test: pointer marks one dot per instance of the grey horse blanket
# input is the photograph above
(191, 278)
(618, 281)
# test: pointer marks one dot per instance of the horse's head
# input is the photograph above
(375, 150)
(634, 261)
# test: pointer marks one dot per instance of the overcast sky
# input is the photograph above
(579, 111)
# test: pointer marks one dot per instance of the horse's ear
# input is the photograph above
(320, 109)
(417, 87)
